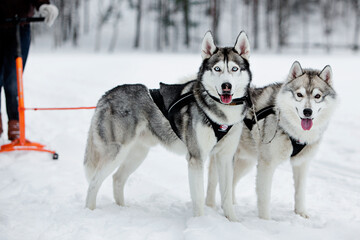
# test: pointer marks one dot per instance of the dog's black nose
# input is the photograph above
(307, 112)
(226, 86)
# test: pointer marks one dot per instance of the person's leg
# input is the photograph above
(10, 80)
(3, 32)
(1, 83)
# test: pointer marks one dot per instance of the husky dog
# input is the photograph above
(289, 123)
(199, 118)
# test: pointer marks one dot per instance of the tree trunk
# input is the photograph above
(186, 14)
(356, 4)
(327, 14)
(166, 22)
(305, 25)
(103, 17)
(234, 19)
(268, 22)
(282, 22)
(215, 14)
(115, 32)
(86, 16)
(75, 22)
(159, 26)
(138, 24)
(255, 24)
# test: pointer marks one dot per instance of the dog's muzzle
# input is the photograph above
(226, 96)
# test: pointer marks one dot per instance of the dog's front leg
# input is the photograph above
(225, 172)
(265, 172)
(212, 183)
(299, 174)
(196, 181)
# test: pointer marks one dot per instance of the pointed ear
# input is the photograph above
(295, 71)
(326, 75)
(208, 46)
(242, 45)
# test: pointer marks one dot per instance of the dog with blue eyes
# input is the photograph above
(200, 118)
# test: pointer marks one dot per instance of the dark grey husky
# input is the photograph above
(199, 118)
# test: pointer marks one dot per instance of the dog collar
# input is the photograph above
(237, 101)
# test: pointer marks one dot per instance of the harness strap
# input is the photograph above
(176, 107)
(263, 113)
(297, 146)
(219, 130)
(159, 101)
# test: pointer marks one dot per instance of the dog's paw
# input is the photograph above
(265, 216)
(210, 203)
(232, 217)
(90, 206)
(230, 214)
(302, 214)
(121, 203)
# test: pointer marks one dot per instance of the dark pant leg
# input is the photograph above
(3, 33)
(9, 75)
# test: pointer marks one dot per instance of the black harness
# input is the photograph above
(220, 130)
(263, 113)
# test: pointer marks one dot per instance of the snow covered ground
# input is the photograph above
(44, 199)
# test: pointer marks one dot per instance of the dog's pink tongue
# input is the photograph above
(306, 123)
(226, 98)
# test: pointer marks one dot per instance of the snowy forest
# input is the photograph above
(179, 25)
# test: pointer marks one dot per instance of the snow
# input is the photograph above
(44, 199)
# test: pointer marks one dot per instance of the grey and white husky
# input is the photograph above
(289, 123)
(199, 118)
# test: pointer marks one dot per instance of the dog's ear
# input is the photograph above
(326, 74)
(242, 45)
(208, 46)
(295, 71)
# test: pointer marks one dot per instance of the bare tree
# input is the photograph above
(215, 15)
(75, 22)
(255, 24)
(282, 22)
(305, 24)
(103, 16)
(86, 16)
(117, 16)
(327, 10)
(186, 19)
(234, 18)
(138, 23)
(356, 7)
(159, 26)
(269, 22)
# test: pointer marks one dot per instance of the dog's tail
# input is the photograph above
(92, 157)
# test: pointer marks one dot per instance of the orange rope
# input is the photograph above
(67, 108)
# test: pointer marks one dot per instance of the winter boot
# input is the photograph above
(13, 130)
(1, 129)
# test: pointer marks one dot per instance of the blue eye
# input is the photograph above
(234, 69)
(217, 69)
